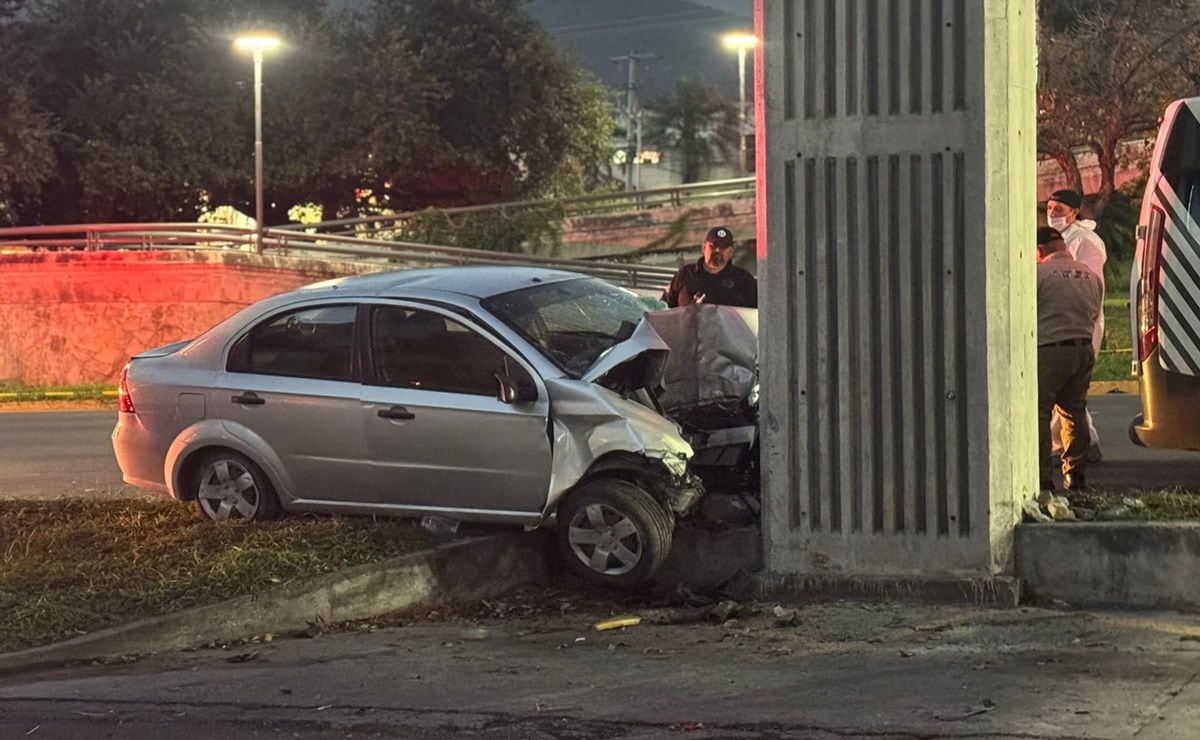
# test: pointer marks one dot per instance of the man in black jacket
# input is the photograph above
(713, 278)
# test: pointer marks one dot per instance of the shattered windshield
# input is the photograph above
(571, 322)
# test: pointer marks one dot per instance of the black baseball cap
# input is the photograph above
(1069, 198)
(1047, 234)
(719, 236)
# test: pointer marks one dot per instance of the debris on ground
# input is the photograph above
(785, 617)
(617, 623)
(1032, 512)
(1114, 513)
(440, 525)
(984, 707)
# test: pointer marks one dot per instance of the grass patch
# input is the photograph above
(1116, 352)
(86, 392)
(73, 566)
(1173, 504)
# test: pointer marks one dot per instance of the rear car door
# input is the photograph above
(438, 436)
(290, 389)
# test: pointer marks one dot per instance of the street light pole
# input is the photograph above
(742, 42)
(257, 45)
(741, 50)
(258, 151)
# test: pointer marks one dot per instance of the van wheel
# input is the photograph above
(613, 533)
(228, 485)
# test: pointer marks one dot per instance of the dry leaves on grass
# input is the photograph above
(74, 565)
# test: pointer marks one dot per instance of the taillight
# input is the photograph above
(1149, 282)
(124, 400)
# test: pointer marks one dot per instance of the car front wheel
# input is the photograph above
(613, 533)
(228, 485)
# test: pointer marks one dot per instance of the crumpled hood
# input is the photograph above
(590, 421)
(1086, 223)
(636, 362)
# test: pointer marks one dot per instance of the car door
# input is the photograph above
(290, 389)
(438, 435)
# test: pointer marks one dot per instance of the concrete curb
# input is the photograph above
(997, 591)
(1151, 565)
(461, 571)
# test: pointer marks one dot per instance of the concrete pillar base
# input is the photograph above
(996, 591)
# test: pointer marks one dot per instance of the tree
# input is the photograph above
(510, 117)
(147, 108)
(1108, 69)
(697, 121)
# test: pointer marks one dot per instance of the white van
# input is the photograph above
(1165, 287)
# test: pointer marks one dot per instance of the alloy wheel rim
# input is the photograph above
(605, 540)
(227, 491)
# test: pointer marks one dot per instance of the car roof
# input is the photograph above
(478, 282)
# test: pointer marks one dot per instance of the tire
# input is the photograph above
(612, 533)
(227, 485)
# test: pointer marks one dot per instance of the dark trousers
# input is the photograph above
(1064, 373)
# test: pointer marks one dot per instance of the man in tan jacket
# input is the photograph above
(1069, 298)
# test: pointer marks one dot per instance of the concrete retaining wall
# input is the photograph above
(76, 317)
(1125, 564)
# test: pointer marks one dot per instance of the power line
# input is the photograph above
(651, 21)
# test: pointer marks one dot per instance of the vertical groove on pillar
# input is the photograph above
(896, 360)
(852, 45)
(854, 423)
(809, 38)
(916, 66)
(918, 359)
(960, 54)
(831, 496)
(936, 57)
(937, 354)
(872, 57)
(893, 56)
(878, 291)
(792, 344)
(791, 74)
(829, 31)
(812, 316)
(961, 388)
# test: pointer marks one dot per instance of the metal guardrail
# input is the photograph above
(351, 238)
(331, 247)
(632, 200)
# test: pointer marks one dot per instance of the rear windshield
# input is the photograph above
(571, 322)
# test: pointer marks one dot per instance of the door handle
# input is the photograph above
(249, 399)
(397, 412)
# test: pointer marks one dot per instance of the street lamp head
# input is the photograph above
(257, 42)
(739, 40)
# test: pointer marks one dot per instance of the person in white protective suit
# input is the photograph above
(1086, 246)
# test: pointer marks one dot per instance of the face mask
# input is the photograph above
(1057, 222)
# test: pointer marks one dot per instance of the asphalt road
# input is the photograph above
(54, 453)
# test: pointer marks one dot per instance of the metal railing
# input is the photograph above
(331, 247)
(582, 205)
(357, 238)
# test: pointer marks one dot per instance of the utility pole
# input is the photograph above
(633, 119)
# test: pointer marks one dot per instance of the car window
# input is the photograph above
(420, 349)
(308, 343)
(571, 322)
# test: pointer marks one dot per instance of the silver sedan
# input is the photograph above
(491, 394)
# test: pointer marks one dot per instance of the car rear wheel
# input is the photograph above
(228, 485)
(613, 533)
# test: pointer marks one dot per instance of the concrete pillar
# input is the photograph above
(897, 169)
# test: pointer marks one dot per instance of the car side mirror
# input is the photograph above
(510, 391)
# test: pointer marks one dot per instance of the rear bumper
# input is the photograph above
(1170, 417)
(137, 455)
